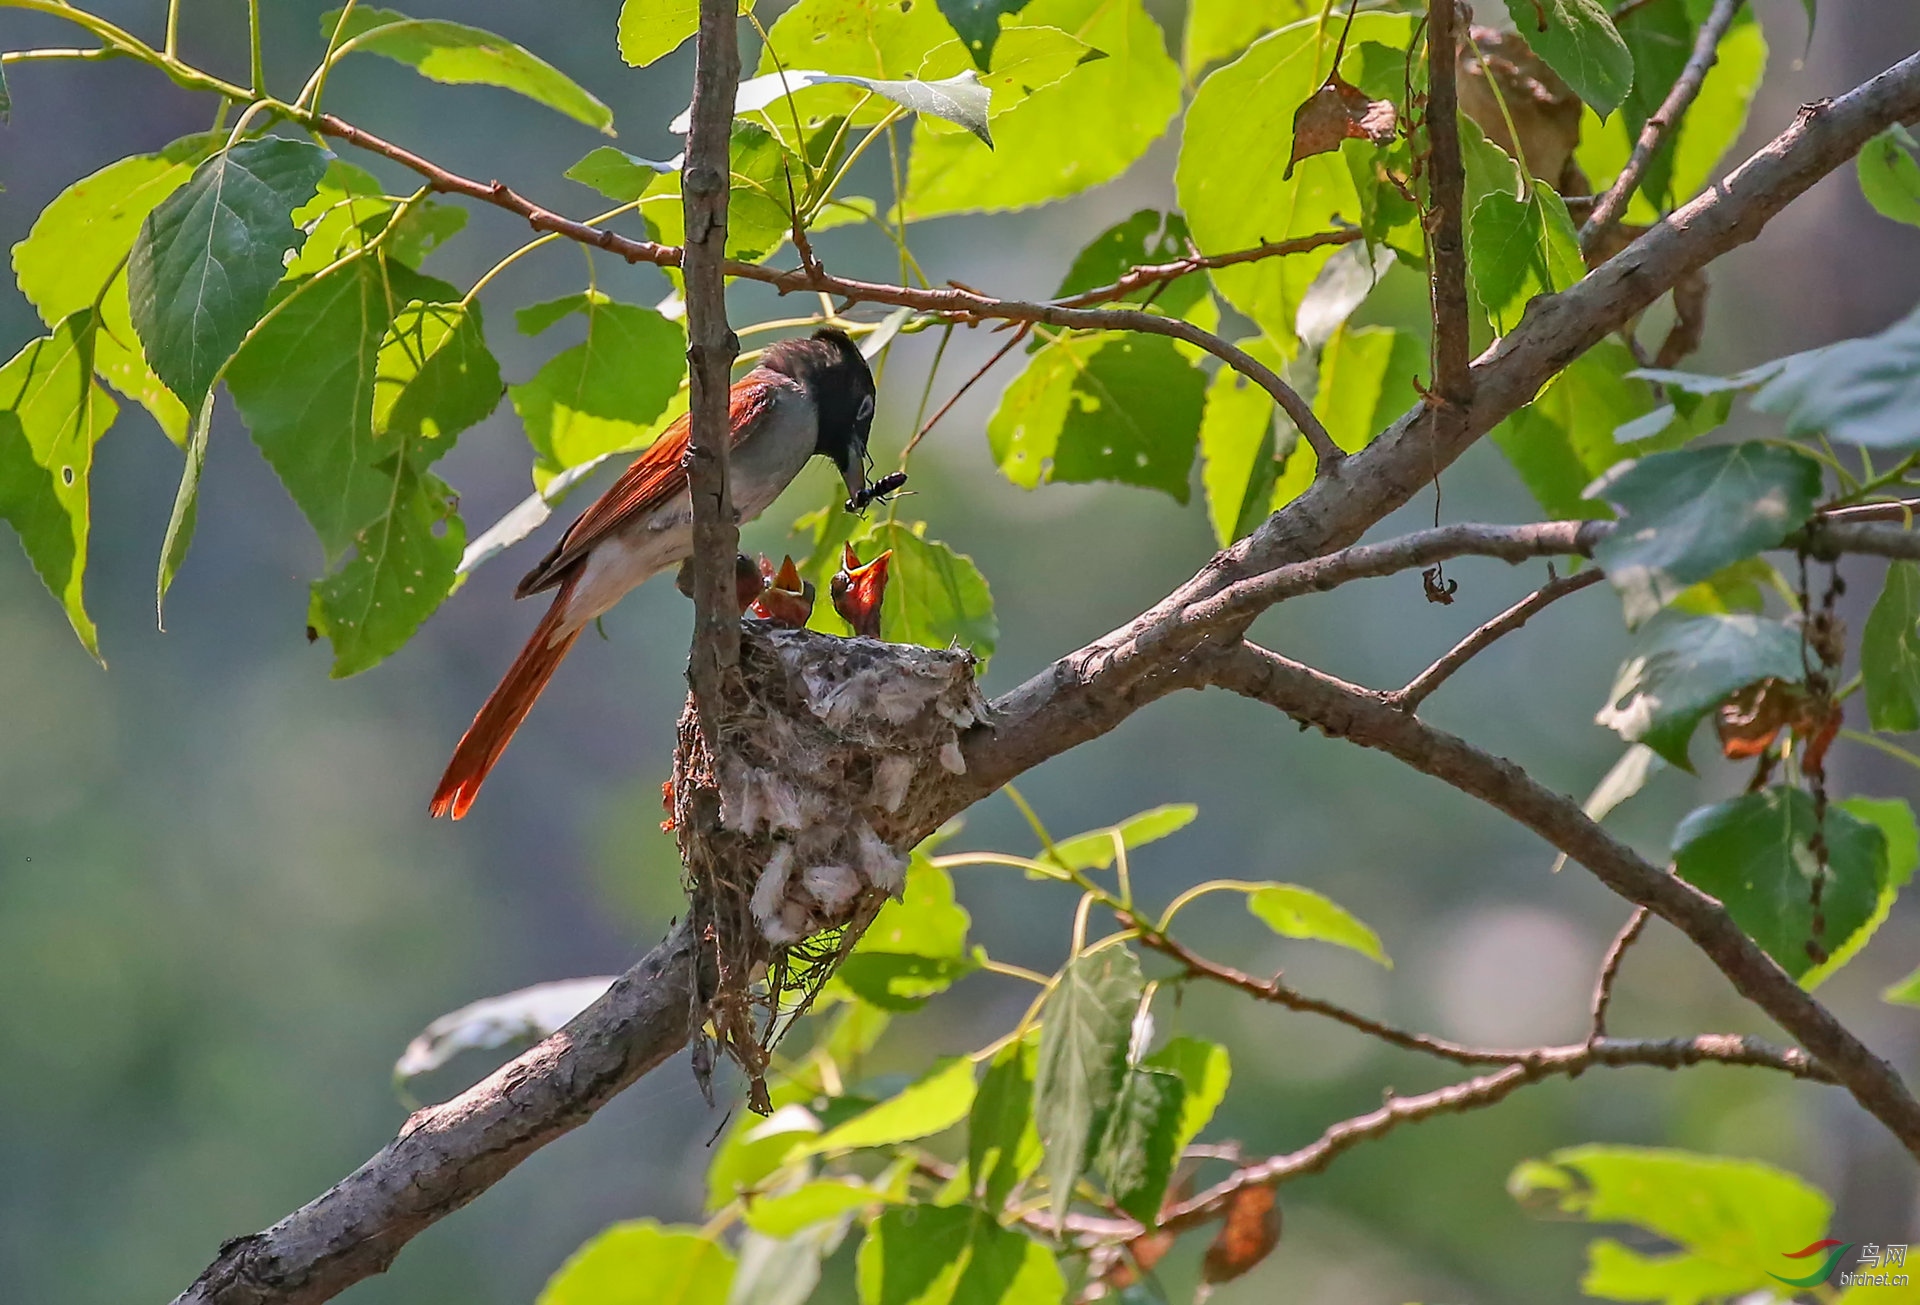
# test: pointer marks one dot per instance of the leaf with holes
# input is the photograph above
(1687, 513)
(455, 53)
(1755, 853)
(678, 1266)
(1295, 912)
(1085, 1027)
(1578, 40)
(1106, 406)
(1864, 391)
(603, 394)
(1683, 666)
(52, 413)
(210, 254)
(978, 23)
(1890, 652)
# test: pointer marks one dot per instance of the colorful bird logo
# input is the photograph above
(1834, 1248)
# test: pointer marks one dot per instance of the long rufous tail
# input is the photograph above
(487, 737)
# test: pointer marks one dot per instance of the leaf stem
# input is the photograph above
(317, 84)
(257, 64)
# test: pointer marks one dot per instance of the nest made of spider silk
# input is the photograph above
(791, 829)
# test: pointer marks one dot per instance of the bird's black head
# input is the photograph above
(829, 367)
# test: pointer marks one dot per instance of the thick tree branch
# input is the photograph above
(1706, 52)
(1446, 213)
(711, 348)
(1361, 716)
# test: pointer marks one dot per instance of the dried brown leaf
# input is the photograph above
(1248, 1235)
(1339, 111)
(1496, 66)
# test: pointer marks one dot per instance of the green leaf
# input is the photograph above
(1565, 438)
(1102, 406)
(1755, 854)
(211, 252)
(933, 1103)
(1623, 779)
(1894, 818)
(603, 394)
(1660, 37)
(1890, 175)
(620, 176)
(756, 1149)
(1240, 457)
(1083, 130)
(961, 99)
(807, 1205)
(936, 597)
(1343, 283)
(1085, 1026)
(402, 568)
(1147, 237)
(783, 1271)
(953, 1255)
(1094, 850)
(455, 53)
(1137, 1153)
(1003, 1147)
(1683, 666)
(434, 376)
(1579, 41)
(186, 510)
(1890, 652)
(1220, 29)
(1206, 1070)
(1295, 912)
(978, 23)
(1732, 1221)
(1864, 391)
(52, 413)
(79, 245)
(1904, 993)
(898, 981)
(642, 1263)
(650, 29)
(1367, 376)
(759, 215)
(1688, 513)
(1028, 59)
(1518, 249)
(884, 39)
(924, 921)
(1234, 151)
(347, 209)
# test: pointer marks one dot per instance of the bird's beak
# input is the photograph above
(855, 474)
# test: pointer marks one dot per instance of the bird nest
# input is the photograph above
(789, 830)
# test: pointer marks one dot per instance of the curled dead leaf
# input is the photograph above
(1750, 720)
(1496, 66)
(1339, 111)
(1247, 1236)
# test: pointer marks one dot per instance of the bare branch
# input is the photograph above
(1610, 970)
(1139, 278)
(1445, 218)
(1347, 711)
(1706, 46)
(1423, 684)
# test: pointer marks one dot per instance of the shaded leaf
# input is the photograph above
(1730, 1220)
(1890, 175)
(783, 1271)
(953, 1255)
(1683, 666)
(1890, 652)
(604, 394)
(1519, 249)
(1688, 513)
(808, 1205)
(523, 1016)
(1137, 1152)
(1342, 285)
(898, 981)
(936, 597)
(759, 211)
(1085, 129)
(186, 509)
(642, 1263)
(1337, 112)
(1003, 1147)
(1894, 818)
(52, 413)
(935, 1102)
(1295, 912)
(1623, 779)
(1205, 1069)
(210, 253)
(456, 53)
(1247, 1235)
(1102, 406)
(1864, 391)
(1578, 39)
(1755, 854)
(1500, 77)
(978, 23)
(1085, 1027)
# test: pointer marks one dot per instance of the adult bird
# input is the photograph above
(806, 397)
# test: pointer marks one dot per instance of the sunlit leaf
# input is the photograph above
(1025, 60)
(642, 1263)
(52, 413)
(1146, 237)
(936, 597)
(960, 99)
(1681, 668)
(759, 208)
(1220, 29)
(925, 921)
(978, 23)
(935, 1102)
(1367, 377)
(211, 252)
(1003, 1147)
(1104, 406)
(1295, 912)
(807, 1205)
(783, 1271)
(603, 394)
(1085, 1026)
(1688, 513)
(652, 28)
(1565, 438)
(1578, 40)
(1206, 1069)
(620, 176)
(953, 1255)
(434, 376)
(898, 981)
(1240, 453)
(456, 53)
(1890, 652)
(1730, 1221)
(1080, 131)
(1094, 850)
(1894, 817)
(1755, 853)
(523, 1016)
(1890, 175)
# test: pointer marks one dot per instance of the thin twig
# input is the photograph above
(1138, 278)
(1445, 220)
(1610, 971)
(1005, 349)
(1706, 47)
(1410, 698)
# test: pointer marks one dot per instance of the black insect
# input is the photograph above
(878, 492)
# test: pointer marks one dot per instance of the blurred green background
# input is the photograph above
(223, 910)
